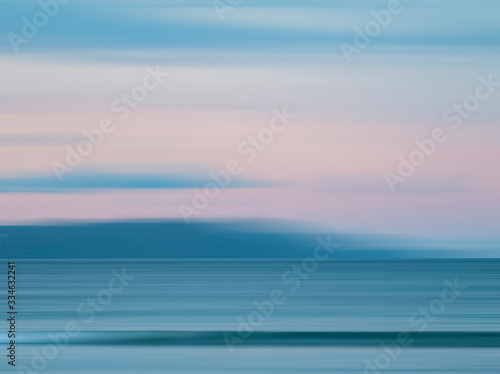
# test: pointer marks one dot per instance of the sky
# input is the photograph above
(333, 126)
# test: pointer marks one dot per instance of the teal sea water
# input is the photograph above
(174, 316)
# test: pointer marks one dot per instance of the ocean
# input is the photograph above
(256, 316)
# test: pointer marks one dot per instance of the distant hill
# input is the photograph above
(238, 240)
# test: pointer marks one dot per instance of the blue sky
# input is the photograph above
(256, 26)
(353, 120)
